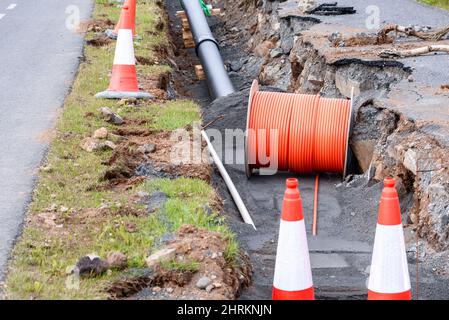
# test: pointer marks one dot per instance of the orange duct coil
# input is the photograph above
(311, 132)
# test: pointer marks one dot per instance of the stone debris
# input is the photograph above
(117, 260)
(91, 144)
(203, 282)
(111, 116)
(147, 148)
(101, 133)
(160, 256)
(91, 266)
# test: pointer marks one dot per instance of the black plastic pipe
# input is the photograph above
(207, 50)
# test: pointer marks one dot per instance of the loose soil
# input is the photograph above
(191, 245)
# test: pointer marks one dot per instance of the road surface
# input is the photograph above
(39, 57)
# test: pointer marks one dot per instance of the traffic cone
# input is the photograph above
(389, 278)
(292, 273)
(131, 4)
(123, 82)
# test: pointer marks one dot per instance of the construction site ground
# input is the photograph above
(341, 252)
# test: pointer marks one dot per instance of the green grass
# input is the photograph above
(73, 179)
(444, 4)
(183, 266)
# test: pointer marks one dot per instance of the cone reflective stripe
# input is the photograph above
(123, 82)
(131, 5)
(124, 75)
(292, 275)
(389, 277)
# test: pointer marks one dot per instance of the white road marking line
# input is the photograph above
(11, 6)
(2, 15)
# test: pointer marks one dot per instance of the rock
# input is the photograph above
(306, 5)
(363, 150)
(276, 52)
(209, 288)
(157, 289)
(236, 65)
(63, 209)
(169, 290)
(111, 116)
(410, 78)
(47, 169)
(107, 145)
(410, 161)
(117, 260)
(203, 282)
(316, 79)
(147, 148)
(345, 84)
(234, 29)
(91, 266)
(101, 133)
(160, 256)
(90, 144)
(217, 284)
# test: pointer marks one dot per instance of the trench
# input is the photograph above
(341, 252)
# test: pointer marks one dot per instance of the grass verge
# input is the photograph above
(444, 4)
(72, 214)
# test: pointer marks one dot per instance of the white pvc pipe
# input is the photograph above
(234, 193)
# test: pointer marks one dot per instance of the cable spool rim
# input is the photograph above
(252, 92)
(350, 123)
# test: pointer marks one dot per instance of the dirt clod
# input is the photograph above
(91, 266)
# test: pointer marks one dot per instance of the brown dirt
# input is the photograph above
(121, 172)
(97, 25)
(191, 244)
(145, 61)
(99, 40)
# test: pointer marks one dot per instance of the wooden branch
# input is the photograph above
(394, 53)
(410, 31)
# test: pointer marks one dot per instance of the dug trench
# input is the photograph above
(294, 53)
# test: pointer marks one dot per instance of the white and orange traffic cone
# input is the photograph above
(292, 273)
(123, 82)
(389, 278)
(131, 4)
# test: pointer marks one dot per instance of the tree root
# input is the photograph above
(395, 53)
(410, 31)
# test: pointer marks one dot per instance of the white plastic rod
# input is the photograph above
(234, 193)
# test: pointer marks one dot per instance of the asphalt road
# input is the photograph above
(39, 57)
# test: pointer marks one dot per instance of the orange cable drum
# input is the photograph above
(312, 132)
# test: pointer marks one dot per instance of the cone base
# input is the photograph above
(306, 294)
(406, 295)
(109, 94)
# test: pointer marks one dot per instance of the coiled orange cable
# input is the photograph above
(312, 133)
